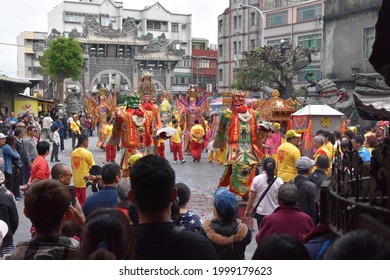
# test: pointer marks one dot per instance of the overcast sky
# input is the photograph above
(17, 16)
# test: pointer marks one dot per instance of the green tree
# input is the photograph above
(272, 66)
(62, 60)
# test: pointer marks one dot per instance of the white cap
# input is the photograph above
(2, 136)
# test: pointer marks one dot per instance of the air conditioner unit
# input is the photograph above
(184, 43)
(183, 26)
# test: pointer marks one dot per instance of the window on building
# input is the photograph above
(105, 20)
(253, 44)
(235, 23)
(75, 17)
(309, 12)
(204, 63)
(253, 19)
(239, 22)
(220, 75)
(314, 70)
(310, 41)
(175, 27)
(239, 47)
(235, 48)
(157, 25)
(220, 24)
(220, 50)
(277, 41)
(183, 80)
(368, 41)
(276, 19)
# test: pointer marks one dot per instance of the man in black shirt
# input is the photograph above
(153, 189)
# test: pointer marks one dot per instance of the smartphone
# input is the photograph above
(72, 191)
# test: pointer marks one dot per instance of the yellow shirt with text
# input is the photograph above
(81, 160)
(287, 155)
(197, 133)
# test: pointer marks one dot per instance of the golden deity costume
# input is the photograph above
(238, 127)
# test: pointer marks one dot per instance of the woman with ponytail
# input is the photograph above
(260, 186)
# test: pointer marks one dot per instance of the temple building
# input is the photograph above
(118, 44)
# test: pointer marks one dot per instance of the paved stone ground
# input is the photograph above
(201, 177)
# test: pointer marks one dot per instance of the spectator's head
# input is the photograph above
(328, 136)
(349, 134)
(281, 247)
(123, 189)
(344, 145)
(18, 132)
(322, 162)
(43, 148)
(152, 184)
(304, 165)
(107, 235)
(359, 245)
(62, 173)
(372, 141)
(357, 142)
(196, 121)
(183, 194)
(32, 131)
(318, 141)
(337, 135)
(225, 204)
(82, 141)
(111, 173)
(288, 195)
(46, 204)
(367, 128)
(269, 166)
(293, 137)
(319, 132)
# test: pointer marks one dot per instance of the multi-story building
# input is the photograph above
(239, 29)
(119, 43)
(204, 65)
(349, 33)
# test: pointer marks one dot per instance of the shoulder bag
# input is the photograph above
(262, 196)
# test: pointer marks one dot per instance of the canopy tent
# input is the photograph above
(312, 118)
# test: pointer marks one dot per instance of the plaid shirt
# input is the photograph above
(46, 248)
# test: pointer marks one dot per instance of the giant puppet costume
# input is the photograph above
(129, 130)
(191, 108)
(239, 126)
(147, 94)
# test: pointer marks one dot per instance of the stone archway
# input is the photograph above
(160, 85)
(110, 71)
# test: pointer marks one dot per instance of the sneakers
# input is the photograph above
(57, 160)
(194, 160)
(182, 161)
(18, 198)
(175, 161)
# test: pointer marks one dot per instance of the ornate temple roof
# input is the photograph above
(157, 56)
(111, 40)
(275, 108)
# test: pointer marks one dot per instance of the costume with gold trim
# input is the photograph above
(238, 126)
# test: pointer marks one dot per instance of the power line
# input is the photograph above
(15, 45)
